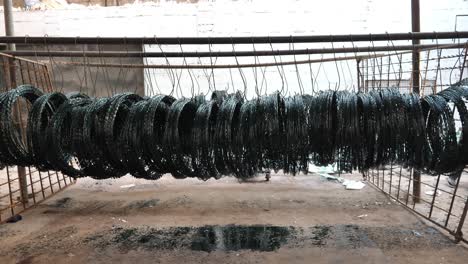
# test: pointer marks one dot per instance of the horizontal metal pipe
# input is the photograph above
(203, 66)
(234, 40)
(143, 54)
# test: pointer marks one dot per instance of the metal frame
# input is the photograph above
(398, 183)
(24, 187)
(46, 40)
(445, 207)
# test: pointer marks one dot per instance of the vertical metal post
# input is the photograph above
(459, 233)
(463, 62)
(358, 61)
(415, 24)
(10, 31)
(9, 28)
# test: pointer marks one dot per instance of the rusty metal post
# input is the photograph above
(463, 62)
(415, 24)
(9, 31)
(459, 233)
(22, 179)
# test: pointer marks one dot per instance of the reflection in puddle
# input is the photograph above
(265, 237)
(213, 237)
(230, 238)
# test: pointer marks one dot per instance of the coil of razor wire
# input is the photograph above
(227, 135)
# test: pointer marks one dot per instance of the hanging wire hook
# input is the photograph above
(376, 62)
(51, 60)
(147, 77)
(211, 63)
(192, 88)
(262, 69)
(277, 67)
(457, 61)
(105, 71)
(232, 80)
(169, 71)
(390, 56)
(400, 70)
(180, 75)
(358, 60)
(75, 68)
(254, 69)
(299, 81)
(207, 76)
(240, 70)
(311, 73)
(338, 85)
(318, 72)
(438, 71)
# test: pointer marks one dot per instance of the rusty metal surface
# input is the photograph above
(439, 202)
(19, 193)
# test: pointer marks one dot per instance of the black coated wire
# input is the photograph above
(227, 135)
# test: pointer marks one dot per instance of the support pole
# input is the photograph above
(358, 62)
(10, 31)
(415, 24)
(9, 28)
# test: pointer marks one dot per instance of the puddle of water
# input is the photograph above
(266, 237)
(234, 237)
(212, 237)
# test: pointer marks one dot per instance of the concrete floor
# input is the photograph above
(287, 220)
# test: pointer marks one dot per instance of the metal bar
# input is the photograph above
(21, 71)
(459, 233)
(16, 203)
(42, 185)
(383, 171)
(198, 66)
(434, 196)
(432, 186)
(358, 61)
(9, 190)
(399, 183)
(423, 200)
(391, 167)
(454, 195)
(36, 79)
(58, 180)
(29, 73)
(5, 76)
(420, 214)
(463, 63)
(9, 26)
(49, 81)
(140, 54)
(23, 182)
(50, 182)
(415, 25)
(64, 180)
(409, 186)
(233, 40)
(32, 185)
(19, 58)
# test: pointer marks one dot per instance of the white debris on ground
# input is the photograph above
(353, 185)
(126, 186)
(431, 193)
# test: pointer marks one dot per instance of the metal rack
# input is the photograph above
(20, 187)
(333, 61)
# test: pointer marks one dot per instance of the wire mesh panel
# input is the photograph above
(23, 187)
(442, 199)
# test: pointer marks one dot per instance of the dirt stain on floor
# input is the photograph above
(265, 238)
